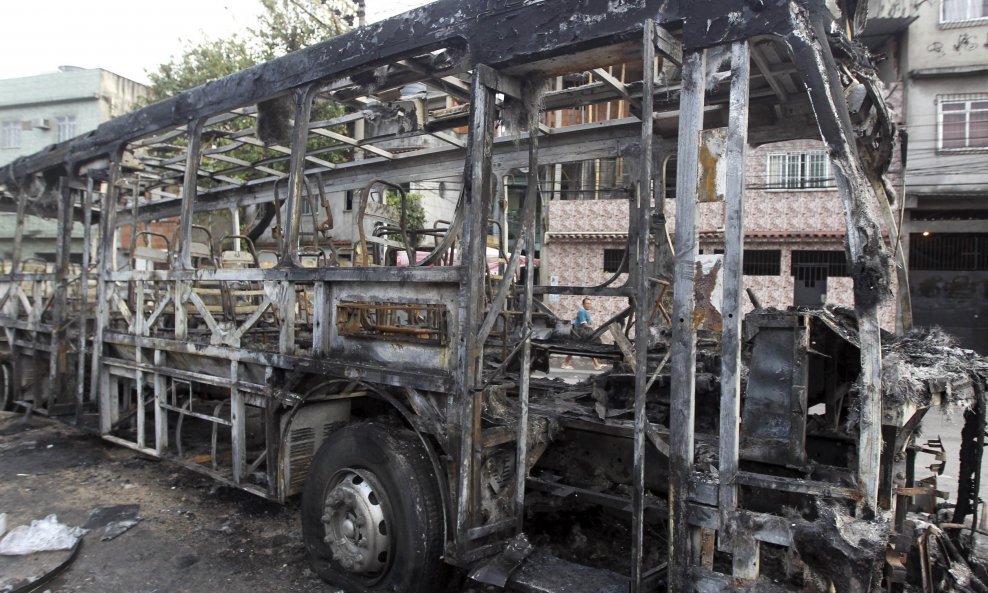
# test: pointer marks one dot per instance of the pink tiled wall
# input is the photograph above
(816, 215)
(588, 216)
(581, 264)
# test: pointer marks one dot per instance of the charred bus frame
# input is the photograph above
(309, 350)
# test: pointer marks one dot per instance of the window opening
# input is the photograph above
(963, 124)
(800, 170)
(613, 259)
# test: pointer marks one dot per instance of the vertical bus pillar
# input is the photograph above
(190, 190)
(13, 296)
(183, 288)
(99, 384)
(238, 421)
(296, 174)
(639, 279)
(683, 348)
(86, 201)
(867, 255)
(532, 196)
(139, 326)
(58, 346)
(744, 549)
(477, 202)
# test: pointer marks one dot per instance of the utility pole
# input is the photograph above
(361, 12)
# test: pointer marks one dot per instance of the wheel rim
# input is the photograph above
(356, 525)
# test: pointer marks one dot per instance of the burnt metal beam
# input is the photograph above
(189, 190)
(86, 197)
(642, 206)
(477, 202)
(866, 248)
(296, 174)
(540, 31)
(529, 218)
(596, 140)
(743, 547)
(683, 360)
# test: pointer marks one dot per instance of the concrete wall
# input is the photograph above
(943, 60)
(92, 96)
(935, 44)
(118, 95)
(780, 219)
(48, 96)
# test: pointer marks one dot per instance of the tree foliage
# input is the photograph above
(282, 27)
(413, 208)
(198, 64)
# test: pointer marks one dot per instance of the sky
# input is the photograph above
(127, 37)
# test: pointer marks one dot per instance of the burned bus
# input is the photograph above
(249, 300)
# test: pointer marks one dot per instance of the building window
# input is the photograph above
(948, 251)
(959, 11)
(613, 259)
(670, 178)
(10, 134)
(799, 170)
(963, 123)
(65, 124)
(819, 264)
(759, 262)
(762, 262)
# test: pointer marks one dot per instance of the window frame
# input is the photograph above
(835, 262)
(968, 101)
(969, 20)
(794, 173)
(616, 268)
(768, 264)
(10, 134)
(66, 127)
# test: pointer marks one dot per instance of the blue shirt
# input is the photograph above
(582, 316)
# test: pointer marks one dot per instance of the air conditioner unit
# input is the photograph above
(42, 123)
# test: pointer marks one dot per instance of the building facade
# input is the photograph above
(794, 223)
(37, 111)
(946, 217)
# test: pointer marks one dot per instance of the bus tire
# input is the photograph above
(371, 512)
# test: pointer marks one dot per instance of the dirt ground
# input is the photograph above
(194, 536)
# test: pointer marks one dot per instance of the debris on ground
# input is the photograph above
(45, 535)
(937, 564)
(115, 520)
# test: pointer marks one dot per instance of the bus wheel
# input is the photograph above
(371, 514)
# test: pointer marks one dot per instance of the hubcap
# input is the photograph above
(356, 524)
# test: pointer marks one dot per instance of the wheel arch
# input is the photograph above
(414, 422)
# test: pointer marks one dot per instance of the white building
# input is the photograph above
(946, 58)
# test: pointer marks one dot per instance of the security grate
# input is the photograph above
(817, 265)
(760, 262)
(613, 259)
(949, 251)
